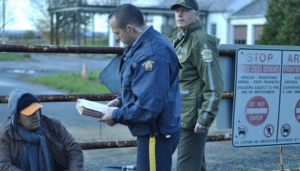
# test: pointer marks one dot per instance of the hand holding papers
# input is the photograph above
(90, 108)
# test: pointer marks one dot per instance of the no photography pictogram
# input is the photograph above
(297, 111)
(257, 110)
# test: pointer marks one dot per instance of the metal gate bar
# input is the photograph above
(79, 49)
(92, 97)
(133, 143)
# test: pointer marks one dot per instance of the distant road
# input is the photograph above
(41, 64)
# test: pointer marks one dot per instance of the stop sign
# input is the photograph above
(257, 110)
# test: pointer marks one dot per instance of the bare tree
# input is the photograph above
(6, 16)
(106, 2)
(40, 16)
(110, 2)
(65, 21)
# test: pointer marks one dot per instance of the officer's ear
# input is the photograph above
(197, 13)
(129, 28)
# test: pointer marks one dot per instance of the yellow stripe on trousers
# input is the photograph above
(152, 160)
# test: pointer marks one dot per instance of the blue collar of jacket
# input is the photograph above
(130, 50)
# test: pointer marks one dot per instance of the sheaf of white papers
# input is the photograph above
(94, 105)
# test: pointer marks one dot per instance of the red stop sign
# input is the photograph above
(297, 111)
(257, 110)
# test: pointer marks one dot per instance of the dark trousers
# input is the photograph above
(161, 159)
(190, 150)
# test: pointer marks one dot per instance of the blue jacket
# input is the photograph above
(149, 86)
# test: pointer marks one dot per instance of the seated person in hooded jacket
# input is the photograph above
(30, 141)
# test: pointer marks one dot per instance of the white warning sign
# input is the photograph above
(266, 98)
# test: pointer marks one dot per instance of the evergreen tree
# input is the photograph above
(283, 23)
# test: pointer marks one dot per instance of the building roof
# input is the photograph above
(152, 5)
(204, 5)
(256, 7)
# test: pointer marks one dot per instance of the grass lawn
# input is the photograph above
(69, 81)
(72, 82)
(14, 56)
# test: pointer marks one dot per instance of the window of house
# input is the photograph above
(240, 34)
(257, 32)
(213, 29)
(203, 20)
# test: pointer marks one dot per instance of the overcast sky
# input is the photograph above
(19, 10)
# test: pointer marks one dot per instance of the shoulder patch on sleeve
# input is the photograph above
(148, 65)
(207, 55)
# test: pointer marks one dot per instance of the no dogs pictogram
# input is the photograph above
(257, 110)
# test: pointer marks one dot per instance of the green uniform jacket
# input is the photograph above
(200, 79)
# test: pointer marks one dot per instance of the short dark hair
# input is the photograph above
(127, 14)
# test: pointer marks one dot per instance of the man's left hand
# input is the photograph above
(107, 117)
(199, 128)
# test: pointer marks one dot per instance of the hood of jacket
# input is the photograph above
(13, 101)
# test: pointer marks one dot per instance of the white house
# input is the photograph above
(231, 21)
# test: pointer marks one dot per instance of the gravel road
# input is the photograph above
(220, 156)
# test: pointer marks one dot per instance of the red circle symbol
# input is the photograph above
(297, 111)
(257, 110)
(268, 130)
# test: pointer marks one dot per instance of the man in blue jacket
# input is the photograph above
(149, 101)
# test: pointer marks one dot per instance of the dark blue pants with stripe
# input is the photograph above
(163, 149)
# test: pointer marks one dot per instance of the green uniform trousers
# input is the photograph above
(190, 150)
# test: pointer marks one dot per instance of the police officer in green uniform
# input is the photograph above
(201, 83)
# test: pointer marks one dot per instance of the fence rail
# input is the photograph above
(133, 143)
(61, 49)
(92, 97)
(80, 49)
